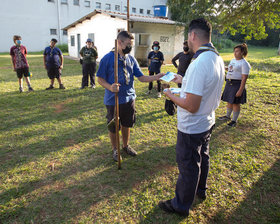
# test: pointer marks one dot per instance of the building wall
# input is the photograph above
(104, 39)
(33, 19)
(170, 37)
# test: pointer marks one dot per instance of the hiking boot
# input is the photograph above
(61, 86)
(50, 87)
(167, 207)
(201, 196)
(115, 155)
(231, 124)
(224, 118)
(159, 95)
(20, 89)
(129, 150)
(30, 89)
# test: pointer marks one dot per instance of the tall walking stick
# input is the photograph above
(117, 104)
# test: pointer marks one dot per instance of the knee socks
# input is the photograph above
(229, 110)
(235, 115)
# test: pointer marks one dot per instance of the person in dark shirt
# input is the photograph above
(184, 58)
(53, 61)
(89, 55)
(155, 60)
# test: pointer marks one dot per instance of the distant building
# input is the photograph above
(103, 27)
(37, 21)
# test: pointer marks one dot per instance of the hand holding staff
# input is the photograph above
(115, 89)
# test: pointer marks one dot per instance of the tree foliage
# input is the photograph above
(248, 17)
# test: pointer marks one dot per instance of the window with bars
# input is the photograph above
(53, 31)
(72, 41)
(98, 5)
(76, 2)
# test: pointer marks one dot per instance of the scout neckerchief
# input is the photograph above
(203, 48)
(125, 72)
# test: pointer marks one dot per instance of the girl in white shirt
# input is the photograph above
(235, 93)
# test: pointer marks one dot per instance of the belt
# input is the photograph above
(234, 80)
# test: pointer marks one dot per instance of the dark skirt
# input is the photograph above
(230, 91)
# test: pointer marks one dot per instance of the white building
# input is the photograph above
(37, 21)
(103, 27)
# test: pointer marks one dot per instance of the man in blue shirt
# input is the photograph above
(53, 61)
(127, 69)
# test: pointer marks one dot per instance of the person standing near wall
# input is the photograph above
(89, 55)
(155, 60)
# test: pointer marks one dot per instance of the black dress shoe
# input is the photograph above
(167, 207)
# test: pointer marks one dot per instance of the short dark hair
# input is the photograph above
(185, 43)
(125, 35)
(54, 40)
(16, 37)
(203, 25)
(243, 47)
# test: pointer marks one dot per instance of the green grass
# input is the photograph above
(67, 130)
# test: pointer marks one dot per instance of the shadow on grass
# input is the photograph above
(261, 204)
(63, 203)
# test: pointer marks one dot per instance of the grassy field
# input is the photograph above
(56, 164)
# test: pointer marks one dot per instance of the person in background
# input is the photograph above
(53, 62)
(184, 58)
(235, 93)
(196, 105)
(155, 60)
(18, 54)
(89, 56)
(128, 68)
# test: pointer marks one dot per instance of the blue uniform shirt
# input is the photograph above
(106, 71)
(156, 59)
(52, 57)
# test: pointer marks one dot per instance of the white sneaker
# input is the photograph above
(159, 95)
(148, 93)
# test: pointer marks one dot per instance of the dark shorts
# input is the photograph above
(127, 114)
(230, 91)
(54, 72)
(22, 72)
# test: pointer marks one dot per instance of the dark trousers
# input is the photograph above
(192, 157)
(88, 70)
(151, 83)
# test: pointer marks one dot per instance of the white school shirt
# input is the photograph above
(204, 77)
(237, 68)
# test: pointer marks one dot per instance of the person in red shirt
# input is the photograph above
(18, 54)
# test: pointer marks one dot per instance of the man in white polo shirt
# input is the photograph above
(199, 98)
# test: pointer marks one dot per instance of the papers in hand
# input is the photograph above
(168, 76)
(175, 91)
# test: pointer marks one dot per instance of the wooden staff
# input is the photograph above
(117, 104)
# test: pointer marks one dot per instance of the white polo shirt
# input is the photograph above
(204, 77)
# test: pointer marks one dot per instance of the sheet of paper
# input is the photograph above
(168, 76)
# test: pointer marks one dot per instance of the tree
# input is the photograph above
(248, 17)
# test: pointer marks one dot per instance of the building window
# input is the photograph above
(64, 1)
(117, 8)
(98, 5)
(143, 39)
(149, 12)
(134, 10)
(50, 0)
(125, 9)
(64, 32)
(141, 11)
(53, 31)
(72, 41)
(87, 3)
(76, 2)
(107, 6)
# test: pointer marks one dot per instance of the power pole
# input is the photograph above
(127, 15)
